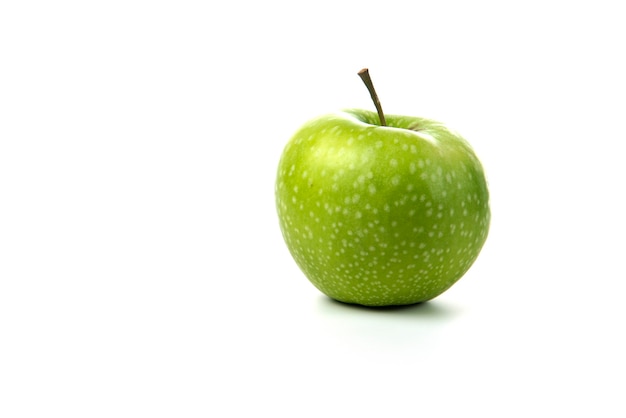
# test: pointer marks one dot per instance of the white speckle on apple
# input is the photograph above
(371, 188)
(379, 144)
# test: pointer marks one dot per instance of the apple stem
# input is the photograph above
(365, 76)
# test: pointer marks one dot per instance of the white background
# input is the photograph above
(142, 270)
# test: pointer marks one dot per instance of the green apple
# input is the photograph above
(381, 215)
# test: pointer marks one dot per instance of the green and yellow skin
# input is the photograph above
(381, 215)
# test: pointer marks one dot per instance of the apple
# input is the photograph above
(379, 209)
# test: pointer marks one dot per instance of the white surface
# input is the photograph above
(142, 271)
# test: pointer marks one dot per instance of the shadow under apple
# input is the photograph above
(431, 310)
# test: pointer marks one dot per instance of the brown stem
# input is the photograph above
(365, 76)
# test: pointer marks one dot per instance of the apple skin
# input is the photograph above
(381, 215)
